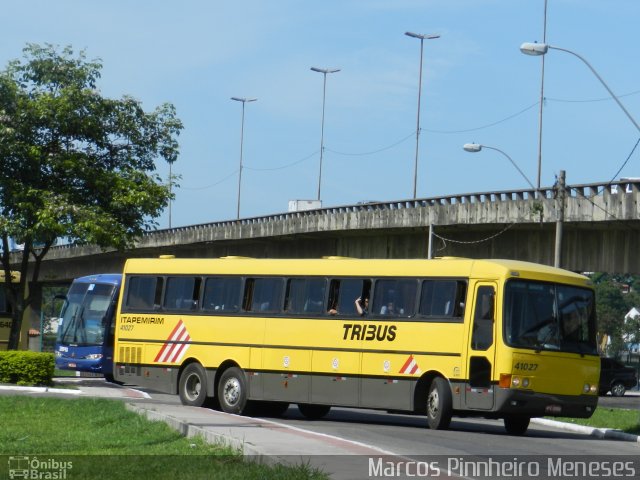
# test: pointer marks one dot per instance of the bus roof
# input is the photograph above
(343, 266)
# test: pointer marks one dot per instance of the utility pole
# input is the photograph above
(561, 193)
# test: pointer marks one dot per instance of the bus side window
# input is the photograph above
(344, 292)
(482, 336)
(222, 294)
(143, 292)
(396, 298)
(443, 298)
(305, 295)
(181, 293)
(263, 295)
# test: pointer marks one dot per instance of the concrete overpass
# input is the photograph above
(599, 222)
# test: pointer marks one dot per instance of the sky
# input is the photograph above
(476, 87)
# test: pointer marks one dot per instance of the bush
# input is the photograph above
(26, 368)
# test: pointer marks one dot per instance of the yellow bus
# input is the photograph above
(494, 338)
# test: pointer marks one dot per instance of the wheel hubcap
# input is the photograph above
(432, 404)
(231, 391)
(193, 387)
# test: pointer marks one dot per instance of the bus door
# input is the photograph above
(479, 391)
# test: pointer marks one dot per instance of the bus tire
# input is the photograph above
(192, 385)
(516, 424)
(111, 379)
(439, 404)
(313, 412)
(232, 391)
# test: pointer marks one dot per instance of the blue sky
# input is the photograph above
(477, 87)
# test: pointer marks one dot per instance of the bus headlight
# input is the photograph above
(525, 382)
(94, 356)
(593, 389)
(586, 388)
(515, 381)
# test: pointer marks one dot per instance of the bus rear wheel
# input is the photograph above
(439, 404)
(516, 425)
(313, 412)
(232, 391)
(192, 386)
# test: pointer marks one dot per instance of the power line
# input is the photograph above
(602, 99)
(283, 166)
(213, 184)
(487, 125)
(411, 135)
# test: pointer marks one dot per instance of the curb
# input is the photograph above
(189, 430)
(603, 433)
(67, 391)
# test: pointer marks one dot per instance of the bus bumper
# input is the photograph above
(532, 404)
(79, 364)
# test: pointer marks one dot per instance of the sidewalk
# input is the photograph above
(267, 441)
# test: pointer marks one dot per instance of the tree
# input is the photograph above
(611, 307)
(74, 164)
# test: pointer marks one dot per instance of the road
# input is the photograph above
(409, 436)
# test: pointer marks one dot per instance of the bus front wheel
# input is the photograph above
(516, 425)
(232, 391)
(193, 385)
(439, 404)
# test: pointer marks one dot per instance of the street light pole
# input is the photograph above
(476, 147)
(243, 100)
(324, 72)
(537, 49)
(541, 106)
(422, 38)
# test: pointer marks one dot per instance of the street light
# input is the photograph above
(422, 38)
(324, 72)
(476, 147)
(243, 100)
(537, 49)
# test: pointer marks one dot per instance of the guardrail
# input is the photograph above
(589, 191)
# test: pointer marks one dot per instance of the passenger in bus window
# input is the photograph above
(362, 306)
(333, 310)
(388, 309)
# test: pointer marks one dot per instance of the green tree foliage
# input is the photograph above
(613, 305)
(611, 309)
(74, 164)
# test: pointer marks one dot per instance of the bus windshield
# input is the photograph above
(84, 315)
(546, 316)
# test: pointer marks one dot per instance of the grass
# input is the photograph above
(617, 418)
(102, 439)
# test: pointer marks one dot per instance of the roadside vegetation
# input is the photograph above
(627, 421)
(101, 438)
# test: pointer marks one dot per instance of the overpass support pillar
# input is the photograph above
(560, 203)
